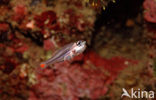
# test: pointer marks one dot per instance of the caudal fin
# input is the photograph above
(43, 65)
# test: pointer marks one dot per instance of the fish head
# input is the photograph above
(80, 46)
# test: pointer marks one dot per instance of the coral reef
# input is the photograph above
(150, 13)
(90, 78)
(121, 48)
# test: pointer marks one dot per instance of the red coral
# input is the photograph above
(48, 45)
(75, 21)
(46, 19)
(18, 46)
(150, 16)
(113, 65)
(150, 10)
(72, 81)
(4, 27)
(19, 12)
(22, 48)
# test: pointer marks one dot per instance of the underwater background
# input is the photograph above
(121, 48)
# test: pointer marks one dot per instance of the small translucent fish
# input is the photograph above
(66, 53)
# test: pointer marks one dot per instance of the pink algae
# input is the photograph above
(89, 78)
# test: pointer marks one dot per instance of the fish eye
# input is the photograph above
(79, 43)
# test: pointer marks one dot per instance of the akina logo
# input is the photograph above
(137, 93)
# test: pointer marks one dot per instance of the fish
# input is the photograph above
(67, 52)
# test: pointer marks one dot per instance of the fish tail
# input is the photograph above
(43, 65)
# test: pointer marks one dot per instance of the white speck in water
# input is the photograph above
(126, 62)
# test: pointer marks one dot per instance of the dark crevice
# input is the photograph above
(116, 13)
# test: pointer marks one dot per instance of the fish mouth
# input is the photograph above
(81, 43)
(84, 42)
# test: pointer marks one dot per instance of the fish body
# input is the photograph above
(66, 53)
